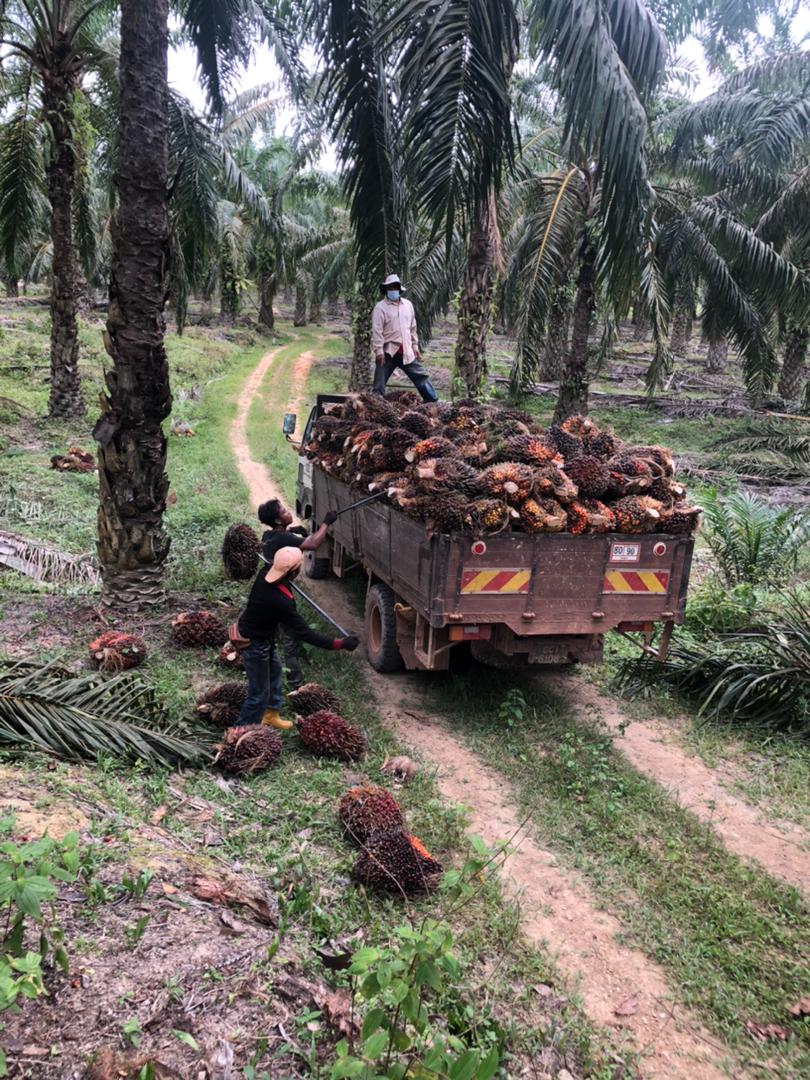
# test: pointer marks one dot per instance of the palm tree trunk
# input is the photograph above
(66, 390)
(793, 361)
(267, 292)
(132, 543)
(717, 356)
(360, 375)
(332, 305)
(679, 338)
(300, 313)
(315, 312)
(228, 291)
(12, 286)
(573, 396)
(476, 302)
(559, 325)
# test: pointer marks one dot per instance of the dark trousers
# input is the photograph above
(415, 372)
(292, 649)
(264, 682)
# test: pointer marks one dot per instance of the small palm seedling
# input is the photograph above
(751, 540)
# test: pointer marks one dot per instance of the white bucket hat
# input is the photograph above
(392, 279)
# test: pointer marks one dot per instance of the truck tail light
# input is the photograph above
(470, 633)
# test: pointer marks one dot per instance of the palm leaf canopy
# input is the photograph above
(79, 717)
(22, 178)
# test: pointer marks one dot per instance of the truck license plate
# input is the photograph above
(625, 552)
(553, 653)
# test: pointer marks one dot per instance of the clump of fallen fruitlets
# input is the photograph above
(311, 698)
(329, 735)
(396, 862)
(246, 750)
(240, 552)
(222, 704)
(116, 651)
(196, 629)
(368, 809)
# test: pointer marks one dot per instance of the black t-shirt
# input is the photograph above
(274, 539)
(271, 606)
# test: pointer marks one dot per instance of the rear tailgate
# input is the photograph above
(563, 584)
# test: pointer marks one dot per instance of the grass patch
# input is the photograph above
(734, 939)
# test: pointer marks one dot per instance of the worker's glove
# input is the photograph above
(380, 358)
(330, 517)
(350, 643)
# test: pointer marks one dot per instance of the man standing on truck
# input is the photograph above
(282, 533)
(271, 605)
(395, 341)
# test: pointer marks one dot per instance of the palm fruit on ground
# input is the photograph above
(551, 482)
(591, 475)
(197, 629)
(327, 734)
(636, 514)
(417, 422)
(681, 520)
(223, 704)
(531, 450)
(603, 445)
(577, 518)
(433, 447)
(601, 518)
(368, 809)
(246, 750)
(510, 481)
(567, 444)
(116, 651)
(231, 657)
(311, 698)
(240, 552)
(542, 515)
(491, 515)
(396, 862)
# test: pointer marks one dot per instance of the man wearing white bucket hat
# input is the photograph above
(395, 341)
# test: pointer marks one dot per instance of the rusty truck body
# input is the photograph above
(517, 598)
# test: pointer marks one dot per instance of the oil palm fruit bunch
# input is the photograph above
(197, 629)
(510, 481)
(531, 450)
(601, 518)
(437, 475)
(418, 423)
(75, 460)
(374, 407)
(396, 862)
(542, 515)
(311, 698)
(327, 734)
(231, 657)
(247, 750)
(116, 651)
(590, 474)
(577, 518)
(223, 704)
(580, 426)
(368, 809)
(406, 399)
(680, 520)
(433, 447)
(658, 458)
(667, 491)
(629, 476)
(551, 482)
(240, 552)
(448, 513)
(567, 444)
(636, 514)
(603, 445)
(491, 515)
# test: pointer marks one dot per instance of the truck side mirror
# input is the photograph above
(290, 421)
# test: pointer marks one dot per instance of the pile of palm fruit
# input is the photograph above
(484, 468)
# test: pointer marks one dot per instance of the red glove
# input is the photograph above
(346, 644)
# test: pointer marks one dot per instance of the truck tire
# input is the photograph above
(381, 630)
(317, 567)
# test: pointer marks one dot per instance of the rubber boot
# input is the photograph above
(272, 718)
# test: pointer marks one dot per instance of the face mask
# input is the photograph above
(393, 294)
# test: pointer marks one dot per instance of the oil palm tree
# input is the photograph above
(52, 43)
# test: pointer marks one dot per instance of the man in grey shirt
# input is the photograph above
(395, 340)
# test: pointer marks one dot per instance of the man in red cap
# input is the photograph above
(395, 341)
(271, 605)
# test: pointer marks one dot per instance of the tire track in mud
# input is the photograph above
(558, 910)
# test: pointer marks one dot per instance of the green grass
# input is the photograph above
(734, 940)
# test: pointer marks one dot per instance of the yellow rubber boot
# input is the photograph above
(272, 718)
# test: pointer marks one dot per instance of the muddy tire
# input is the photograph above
(381, 630)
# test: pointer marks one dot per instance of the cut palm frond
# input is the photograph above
(790, 443)
(43, 562)
(80, 717)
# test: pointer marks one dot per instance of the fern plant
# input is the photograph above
(79, 717)
(752, 541)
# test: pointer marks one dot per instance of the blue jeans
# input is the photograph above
(263, 670)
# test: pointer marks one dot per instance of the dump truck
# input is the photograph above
(516, 598)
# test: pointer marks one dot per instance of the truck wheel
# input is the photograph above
(381, 630)
(318, 566)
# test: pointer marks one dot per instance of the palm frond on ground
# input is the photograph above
(82, 717)
(42, 562)
(759, 674)
(751, 540)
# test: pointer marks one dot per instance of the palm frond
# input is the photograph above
(789, 442)
(79, 717)
(43, 562)
(22, 178)
(221, 33)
